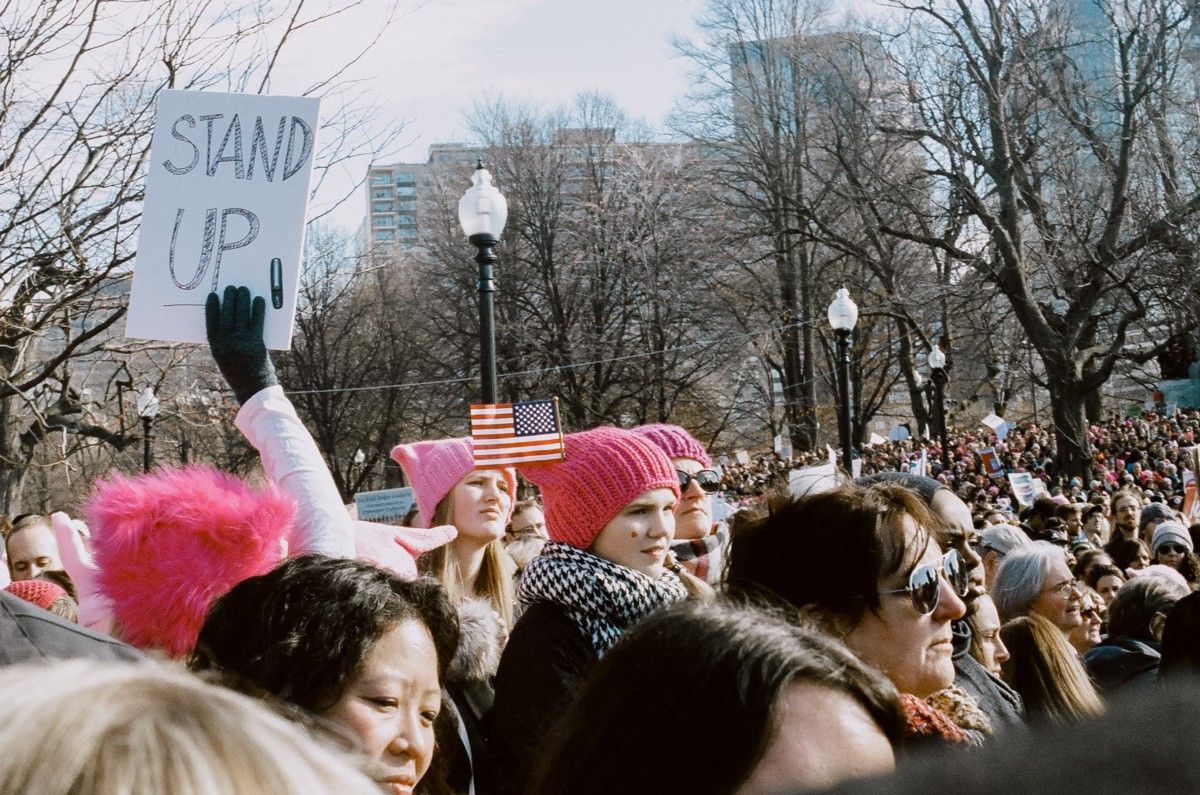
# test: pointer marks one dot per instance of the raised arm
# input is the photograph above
(268, 420)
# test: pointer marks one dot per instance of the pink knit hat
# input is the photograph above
(675, 442)
(39, 592)
(605, 469)
(435, 467)
(170, 543)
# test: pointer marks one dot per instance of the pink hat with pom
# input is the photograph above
(675, 442)
(435, 467)
(39, 592)
(170, 544)
(604, 470)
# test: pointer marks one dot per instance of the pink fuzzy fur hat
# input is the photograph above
(169, 544)
(433, 468)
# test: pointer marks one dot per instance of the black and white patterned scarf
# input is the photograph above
(602, 598)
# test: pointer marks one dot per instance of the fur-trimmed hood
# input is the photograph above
(482, 635)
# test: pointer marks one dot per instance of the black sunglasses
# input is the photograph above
(1172, 548)
(924, 586)
(707, 479)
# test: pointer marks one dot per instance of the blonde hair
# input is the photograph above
(1046, 672)
(116, 728)
(495, 579)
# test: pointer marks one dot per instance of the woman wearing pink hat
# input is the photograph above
(477, 502)
(700, 546)
(610, 512)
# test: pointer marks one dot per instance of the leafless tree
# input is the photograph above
(1060, 129)
(77, 92)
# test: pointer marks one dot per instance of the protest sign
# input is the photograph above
(991, 462)
(876, 440)
(813, 480)
(1023, 487)
(742, 457)
(384, 505)
(225, 204)
(899, 433)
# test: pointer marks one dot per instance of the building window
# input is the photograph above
(383, 193)
(381, 207)
(406, 179)
(384, 221)
(381, 177)
(385, 234)
(404, 218)
(406, 191)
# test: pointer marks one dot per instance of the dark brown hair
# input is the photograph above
(831, 549)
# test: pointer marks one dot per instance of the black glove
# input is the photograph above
(235, 337)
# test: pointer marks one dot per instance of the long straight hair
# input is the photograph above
(495, 579)
(1043, 668)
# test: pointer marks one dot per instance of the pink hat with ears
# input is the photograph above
(171, 543)
(604, 470)
(435, 467)
(675, 442)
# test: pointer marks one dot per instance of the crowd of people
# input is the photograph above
(211, 636)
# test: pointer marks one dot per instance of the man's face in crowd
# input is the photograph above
(32, 550)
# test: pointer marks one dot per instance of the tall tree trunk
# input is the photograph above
(804, 437)
(1074, 450)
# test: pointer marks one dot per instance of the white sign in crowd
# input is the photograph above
(226, 196)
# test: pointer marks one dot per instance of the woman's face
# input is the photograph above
(693, 517)
(1059, 599)
(390, 708)
(911, 649)
(822, 737)
(480, 503)
(1107, 586)
(1141, 561)
(987, 624)
(1087, 634)
(1170, 554)
(637, 537)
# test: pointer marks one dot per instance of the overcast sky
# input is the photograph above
(441, 55)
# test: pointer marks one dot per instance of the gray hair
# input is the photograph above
(1022, 576)
(1002, 539)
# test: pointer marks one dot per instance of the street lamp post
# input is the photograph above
(482, 212)
(843, 314)
(147, 408)
(937, 375)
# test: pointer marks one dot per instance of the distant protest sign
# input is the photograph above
(225, 204)
(384, 505)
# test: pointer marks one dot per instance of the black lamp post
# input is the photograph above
(843, 314)
(482, 212)
(147, 408)
(938, 377)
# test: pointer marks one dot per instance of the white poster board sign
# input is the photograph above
(225, 203)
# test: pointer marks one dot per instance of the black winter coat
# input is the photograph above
(541, 669)
(28, 633)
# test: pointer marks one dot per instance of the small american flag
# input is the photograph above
(505, 434)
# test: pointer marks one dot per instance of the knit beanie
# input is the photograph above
(1153, 511)
(1171, 531)
(604, 470)
(675, 442)
(39, 592)
(435, 467)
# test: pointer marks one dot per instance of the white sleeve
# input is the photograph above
(293, 463)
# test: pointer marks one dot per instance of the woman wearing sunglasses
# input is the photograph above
(863, 563)
(1172, 545)
(700, 546)
(1036, 579)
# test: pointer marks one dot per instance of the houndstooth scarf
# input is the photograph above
(602, 598)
